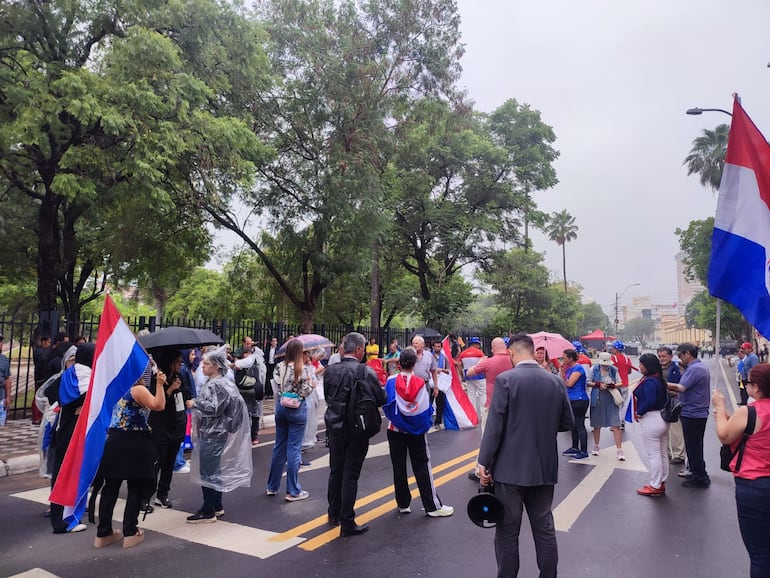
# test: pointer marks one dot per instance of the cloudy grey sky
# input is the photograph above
(614, 78)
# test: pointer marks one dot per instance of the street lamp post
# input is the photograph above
(698, 111)
(616, 303)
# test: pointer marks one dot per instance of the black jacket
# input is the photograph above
(338, 379)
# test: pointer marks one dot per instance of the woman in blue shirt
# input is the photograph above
(575, 378)
(648, 399)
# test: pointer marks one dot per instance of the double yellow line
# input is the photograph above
(329, 535)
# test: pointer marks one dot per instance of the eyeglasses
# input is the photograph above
(752, 383)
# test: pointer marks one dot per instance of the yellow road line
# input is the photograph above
(366, 500)
(323, 539)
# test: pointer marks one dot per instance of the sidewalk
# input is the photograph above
(18, 442)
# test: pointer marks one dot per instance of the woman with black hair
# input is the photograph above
(649, 398)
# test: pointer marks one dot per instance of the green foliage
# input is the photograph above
(109, 112)
(529, 301)
(561, 229)
(695, 243)
(707, 156)
(639, 329)
(591, 316)
(701, 312)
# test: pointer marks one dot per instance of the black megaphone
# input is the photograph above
(485, 509)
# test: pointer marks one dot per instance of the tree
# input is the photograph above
(707, 156)
(695, 243)
(591, 316)
(520, 132)
(342, 71)
(561, 228)
(701, 312)
(639, 329)
(101, 110)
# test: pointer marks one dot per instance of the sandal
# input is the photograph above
(131, 541)
(101, 542)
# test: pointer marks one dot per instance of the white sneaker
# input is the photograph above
(684, 473)
(442, 512)
(406, 510)
(621, 456)
(303, 495)
(78, 528)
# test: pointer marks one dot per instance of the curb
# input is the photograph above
(31, 462)
(20, 465)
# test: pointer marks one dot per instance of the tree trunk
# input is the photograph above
(48, 267)
(374, 321)
(306, 321)
(564, 263)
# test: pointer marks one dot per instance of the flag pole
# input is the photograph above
(716, 341)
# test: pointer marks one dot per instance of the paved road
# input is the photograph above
(605, 529)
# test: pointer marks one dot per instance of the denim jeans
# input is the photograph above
(753, 500)
(289, 431)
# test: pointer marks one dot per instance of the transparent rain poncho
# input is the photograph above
(221, 428)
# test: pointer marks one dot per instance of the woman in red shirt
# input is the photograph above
(752, 480)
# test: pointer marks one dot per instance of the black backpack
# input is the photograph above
(248, 380)
(363, 412)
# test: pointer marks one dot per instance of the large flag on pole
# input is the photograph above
(740, 246)
(459, 412)
(119, 362)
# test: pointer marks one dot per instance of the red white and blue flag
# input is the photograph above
(119, 361)
(459, 412)
(739, 271)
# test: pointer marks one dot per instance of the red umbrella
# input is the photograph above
(553, 343)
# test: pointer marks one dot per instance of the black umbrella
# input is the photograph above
(179, 338)
(427, 333)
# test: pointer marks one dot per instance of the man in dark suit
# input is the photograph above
(518, 451)
(347, 450)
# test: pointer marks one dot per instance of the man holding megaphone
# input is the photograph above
(518, 452)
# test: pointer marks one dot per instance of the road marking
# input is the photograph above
(389, 506)
(223, 535)
(570, 509)
(727, 385)
(35, 573)
(370, 498)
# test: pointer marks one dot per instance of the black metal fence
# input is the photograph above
(20, 341)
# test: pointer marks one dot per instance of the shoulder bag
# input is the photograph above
(726, 453)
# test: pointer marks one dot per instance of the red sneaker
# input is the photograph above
(650, 491)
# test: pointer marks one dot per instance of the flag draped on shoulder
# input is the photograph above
(119, 362)
(459, 412)
(739, 271)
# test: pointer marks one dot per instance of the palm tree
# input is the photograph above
(707, 156)
(561, 228)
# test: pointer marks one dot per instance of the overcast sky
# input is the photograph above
(614, 78)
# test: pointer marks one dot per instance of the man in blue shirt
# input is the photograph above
(672, 374)
(749, 361)
(694, 393)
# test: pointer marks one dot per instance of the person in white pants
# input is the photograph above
(649, 398)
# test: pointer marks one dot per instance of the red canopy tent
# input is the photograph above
(598, 335)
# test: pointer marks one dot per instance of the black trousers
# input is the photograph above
(137, 494)
(346, 457)
(579, 433)
(416, 446)
(167, 451)
(538, 501)
(440, 405)
(693, 430)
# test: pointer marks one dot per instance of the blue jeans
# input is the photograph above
(753, 500)
(289, 431)
(180, 462)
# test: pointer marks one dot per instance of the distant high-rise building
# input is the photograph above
(685, 289)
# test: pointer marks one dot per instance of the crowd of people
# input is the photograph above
(149, 425)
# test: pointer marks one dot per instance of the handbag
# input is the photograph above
(290, 400)
(726, 454)
(617, 397)
(670, 412)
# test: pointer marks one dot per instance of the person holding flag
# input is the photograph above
(119, 361)
(409, 410)
(130, 454)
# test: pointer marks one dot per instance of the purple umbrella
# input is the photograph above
(309, 341)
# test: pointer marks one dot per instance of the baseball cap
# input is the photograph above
(474, 340)
(746, 345)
